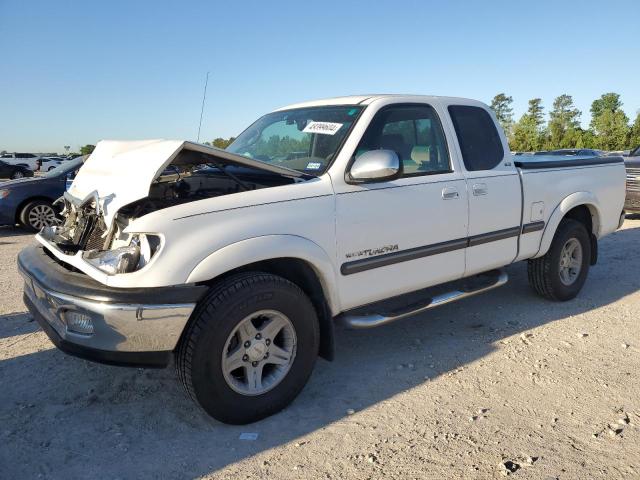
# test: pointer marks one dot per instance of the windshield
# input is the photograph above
(303, 139)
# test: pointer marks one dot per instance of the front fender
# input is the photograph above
(574, 200)
(269, 247)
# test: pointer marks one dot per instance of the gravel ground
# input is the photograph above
(499, 382)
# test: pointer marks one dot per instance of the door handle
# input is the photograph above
(449, 193)
(479, 189)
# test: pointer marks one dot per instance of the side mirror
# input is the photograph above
(375, 166)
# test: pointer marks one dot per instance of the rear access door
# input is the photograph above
(493, 187)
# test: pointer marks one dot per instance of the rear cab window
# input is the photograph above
(478, 137)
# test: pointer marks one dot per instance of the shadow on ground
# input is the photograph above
(72, 418)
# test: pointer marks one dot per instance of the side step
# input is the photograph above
(383, 312)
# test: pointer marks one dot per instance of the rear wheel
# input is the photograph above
(250, 347)
(17, 174)
(562, 271)
(38, 214)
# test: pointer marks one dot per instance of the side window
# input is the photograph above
(414, 132)
(478, 137)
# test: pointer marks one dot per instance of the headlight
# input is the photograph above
(112, 262)
(4, 193)
(125, 259)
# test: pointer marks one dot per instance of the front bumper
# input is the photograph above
(632, 201)
(133, 327)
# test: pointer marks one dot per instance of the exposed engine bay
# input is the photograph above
(196, 176)
(190, 176)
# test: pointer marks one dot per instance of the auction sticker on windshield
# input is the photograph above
(324, 128)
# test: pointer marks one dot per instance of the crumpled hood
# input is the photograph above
(121, 172)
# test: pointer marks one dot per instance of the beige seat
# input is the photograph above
(419, 154)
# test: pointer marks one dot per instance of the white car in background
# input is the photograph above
(28, 160)
(49, 163)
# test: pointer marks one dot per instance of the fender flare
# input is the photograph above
(269, 247)
(576, 199)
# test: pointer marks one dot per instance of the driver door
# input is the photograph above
(408, 233)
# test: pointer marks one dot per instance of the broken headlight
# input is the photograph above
(125, 259)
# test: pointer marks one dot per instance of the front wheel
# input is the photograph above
(249, 348)
(562, 271)
(16, 175)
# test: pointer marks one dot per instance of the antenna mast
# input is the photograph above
(204, 96)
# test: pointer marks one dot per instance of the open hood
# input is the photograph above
(121, 172)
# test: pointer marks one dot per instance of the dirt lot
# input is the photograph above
(460, 392)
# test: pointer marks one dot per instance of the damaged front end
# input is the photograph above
(123, 181)
(85, 233)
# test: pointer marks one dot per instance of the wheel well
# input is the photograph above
(24, 203)
(304, 276)
(585, 215)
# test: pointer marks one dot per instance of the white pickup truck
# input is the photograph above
(238, 262)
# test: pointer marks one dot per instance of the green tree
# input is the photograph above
(529, 132)
(222, 142)
(609, 123)
(564, 123)
(634, 133)
(87, 149)
(501, 105)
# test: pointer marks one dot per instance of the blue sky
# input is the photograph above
(75, 72)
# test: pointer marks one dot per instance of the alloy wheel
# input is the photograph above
(42, 216)
(259, 352)
(570, 261)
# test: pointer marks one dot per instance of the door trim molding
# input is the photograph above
(357, 266)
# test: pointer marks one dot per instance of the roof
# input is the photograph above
(360, 100)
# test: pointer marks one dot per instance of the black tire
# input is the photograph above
(16, 175)
(26, 212)
(544, 272)
(199, 354)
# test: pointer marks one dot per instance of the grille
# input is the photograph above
(633, 178)
(95, 240)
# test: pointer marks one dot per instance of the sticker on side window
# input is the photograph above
(324, 128)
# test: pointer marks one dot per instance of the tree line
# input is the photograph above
(609, 128)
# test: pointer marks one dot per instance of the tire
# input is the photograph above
(38, 214)
(16, 175)
(547, 275)
(203, 358)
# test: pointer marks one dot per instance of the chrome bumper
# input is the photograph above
(82, 317)
(116, 327)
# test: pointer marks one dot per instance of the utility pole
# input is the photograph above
(204, 96)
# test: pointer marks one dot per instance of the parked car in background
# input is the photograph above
(27, 159)
(581, 152)
(632, 164)
(49, 163)
(13, 172)
(29, 201)
(618, 153)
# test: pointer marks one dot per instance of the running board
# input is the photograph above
(356, 320)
